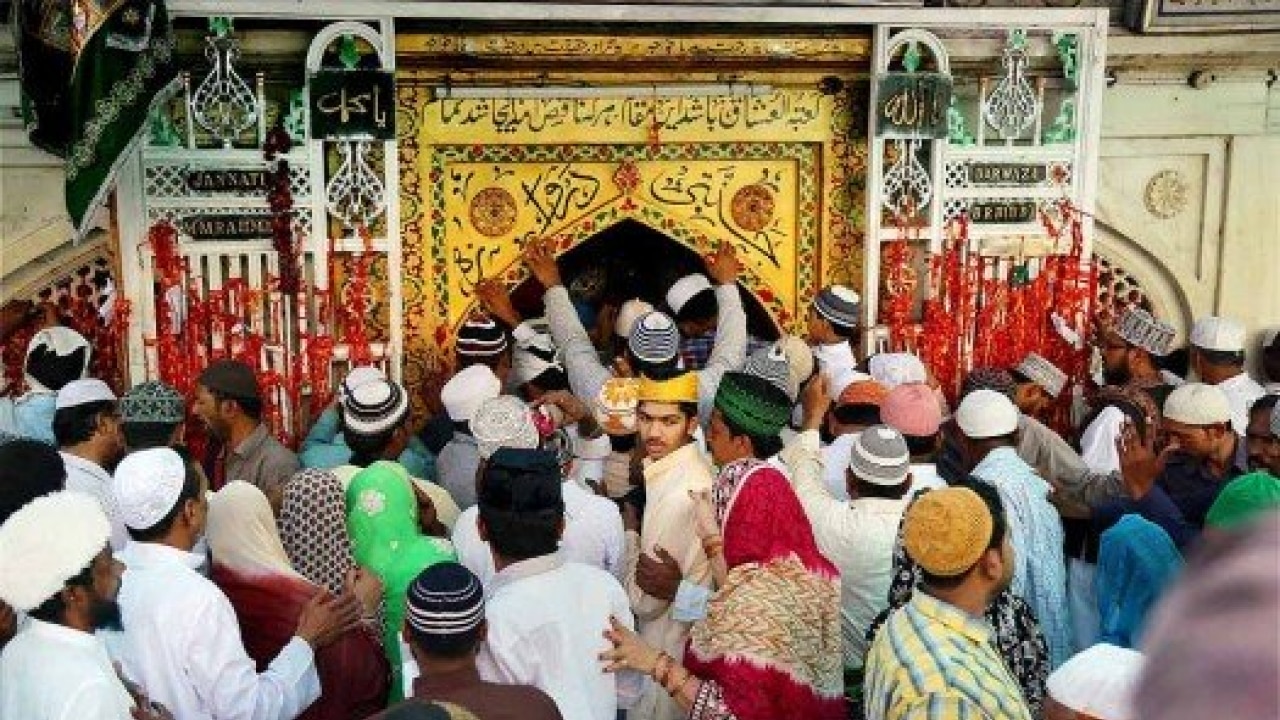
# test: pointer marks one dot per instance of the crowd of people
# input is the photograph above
(678, 521)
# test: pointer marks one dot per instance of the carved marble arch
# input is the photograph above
(1128, 273)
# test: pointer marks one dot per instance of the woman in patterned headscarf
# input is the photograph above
(313, 528)
(770, 644)
(382, 519)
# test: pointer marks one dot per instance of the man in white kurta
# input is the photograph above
(671, 472)
(56, 669)
(181, 640)
(86, 449)
(546, 617)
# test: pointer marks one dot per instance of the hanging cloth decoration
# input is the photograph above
(90, 73)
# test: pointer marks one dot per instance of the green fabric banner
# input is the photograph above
(90, 72)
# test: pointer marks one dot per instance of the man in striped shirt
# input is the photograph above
(935, 659)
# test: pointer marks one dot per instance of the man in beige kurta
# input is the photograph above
(673, 466)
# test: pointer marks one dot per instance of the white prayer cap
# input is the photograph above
(684, 289)
(83, 392)
(1099, 682)
(359, 376)
(467, 390)
(1040, 371)
(986, 414)
(147, 484)
(535, 352)
(504, 422)
(800, 362)
(1269, 337)
(894, 369)
(630, 311)
(842, 378)
(46, 543)
(1197, 404)
(1218, 333)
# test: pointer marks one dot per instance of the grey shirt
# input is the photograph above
(456, 467)
(587, 374)
(262, 461)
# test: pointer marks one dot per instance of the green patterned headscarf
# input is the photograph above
(382, 519)
(1243, 500)
(752, 404)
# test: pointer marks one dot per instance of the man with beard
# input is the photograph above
(1130, 349)
(1262, 436)
(86, 424)
(55, 564)
(230, 405)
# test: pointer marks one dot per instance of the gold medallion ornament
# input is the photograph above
(752, 207)
(493, 212)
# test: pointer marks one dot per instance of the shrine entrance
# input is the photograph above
(627, 260)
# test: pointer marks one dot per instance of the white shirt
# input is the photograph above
(1241, 391)
(182, 644)
(856, 536)
(546, 621)
(88, 477)
(592, 536)
(835, 461)
(53, 672)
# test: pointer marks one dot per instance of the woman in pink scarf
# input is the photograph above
(251, 567)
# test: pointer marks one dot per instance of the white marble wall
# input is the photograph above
(1189, 194)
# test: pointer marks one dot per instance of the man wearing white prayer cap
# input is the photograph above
(1217, 357)
(1204, 454)
(457, 463)
(1095, 684)
(989, 422)
(86, 425)
(56, 565)
(181, 639)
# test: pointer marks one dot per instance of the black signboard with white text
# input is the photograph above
(353, 105)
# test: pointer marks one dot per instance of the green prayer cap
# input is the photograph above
(752, 404)
(1243, 500)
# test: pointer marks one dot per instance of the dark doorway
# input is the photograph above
(631, 259)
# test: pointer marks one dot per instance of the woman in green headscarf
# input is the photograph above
(382, 519)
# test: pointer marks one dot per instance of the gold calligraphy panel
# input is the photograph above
(492, 210)
(778, 175)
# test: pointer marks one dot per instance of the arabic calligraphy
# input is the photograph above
(913, 105)
(706, 195)
(345, 105)
(555, 193)
(792, 112)
(352, 103)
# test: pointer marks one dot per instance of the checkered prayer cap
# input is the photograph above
(1138, 327)
(1043, 373)
(153, 402)
(770, 364)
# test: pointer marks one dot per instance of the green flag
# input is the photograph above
(90, 72)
